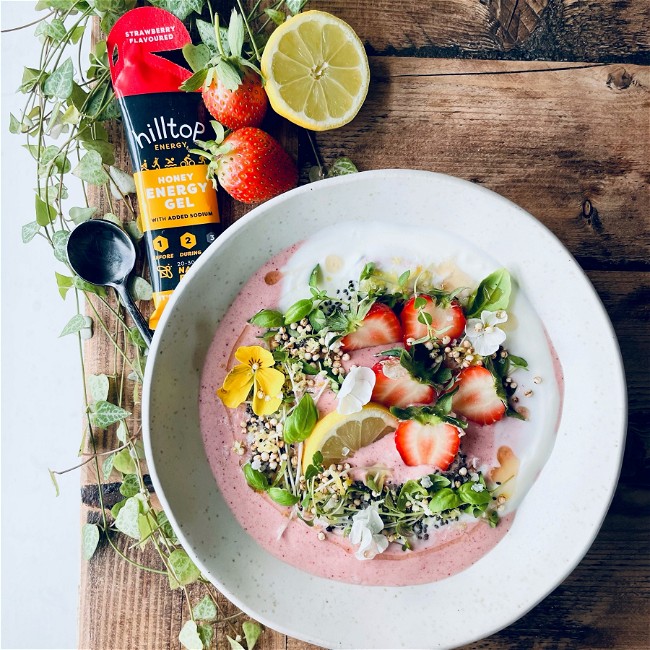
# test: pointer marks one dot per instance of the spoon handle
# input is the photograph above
(134, 312)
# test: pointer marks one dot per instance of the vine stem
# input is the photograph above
(34, 22)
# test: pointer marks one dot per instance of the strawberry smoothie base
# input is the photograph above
(499, 449)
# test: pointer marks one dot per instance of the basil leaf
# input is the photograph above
(409, 489)
(444, 499)
(255, 478)
(317, 320)
(267, 318)
(492, 293)
(282, 496)
(404, 278)
(314, 277)
(301, 421)
(298, 311)
(468, 495)
(517, 362)
(438, 481)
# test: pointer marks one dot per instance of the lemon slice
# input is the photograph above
(338, 436)
(316, 71)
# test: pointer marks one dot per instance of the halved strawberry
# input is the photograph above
(379, 327)
(477, 397)
(394, 386)
(435, 443)
(446, 320)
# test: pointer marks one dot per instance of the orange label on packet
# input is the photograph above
(180, 196)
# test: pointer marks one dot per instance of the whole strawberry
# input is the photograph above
(244, 106)
(230, 83)
(249, 164)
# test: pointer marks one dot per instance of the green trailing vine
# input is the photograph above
(68, 103)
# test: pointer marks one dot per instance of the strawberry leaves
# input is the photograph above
(220, 56)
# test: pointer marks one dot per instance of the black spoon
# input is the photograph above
(100, 252)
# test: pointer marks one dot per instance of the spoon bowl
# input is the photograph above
(101, 253)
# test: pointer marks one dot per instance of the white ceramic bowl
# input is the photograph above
(558, 519)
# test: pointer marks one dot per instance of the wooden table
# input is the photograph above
(547, 103)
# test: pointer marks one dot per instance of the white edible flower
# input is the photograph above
(483, 333)
(356, 390)
(366, 532)
(256, 464)
(477, 487)
(425, 482)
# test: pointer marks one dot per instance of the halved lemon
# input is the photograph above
(316, 71)
(338, 436)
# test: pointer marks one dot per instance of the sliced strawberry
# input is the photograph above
(477, 397)
(445, 320)
(394, 386)
(435, 443)
(379, 327)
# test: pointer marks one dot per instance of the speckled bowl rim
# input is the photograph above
(545, 543)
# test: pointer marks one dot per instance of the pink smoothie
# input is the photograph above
(450, 549)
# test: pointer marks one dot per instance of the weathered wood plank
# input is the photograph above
(568, 144)
(553, 143)
(557, 30)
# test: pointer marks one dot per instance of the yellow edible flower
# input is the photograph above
(256, 371)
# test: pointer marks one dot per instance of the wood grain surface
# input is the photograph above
(568, 142)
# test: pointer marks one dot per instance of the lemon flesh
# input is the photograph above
(316, 71)
(338, 436)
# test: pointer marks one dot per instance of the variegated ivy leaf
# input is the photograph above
(133, 230)
(64, 283)
(60, 243)
(107, 466)
(189, 637)
(29, 231)
(206, 632)
(207, 35)
(182, 570)
(341, 167)
(89, 540)
(98, 387)
(122, 431)
(180, 8)
(140, 288)
(59, 83)
(295, 6)
(205, 610)
(121, 183)
(104, 414)
(197, 56)
(90, 169)
(276, 16)
(252, 631)
(123, 462)
(79, 215)
(74, 325)
(127, 518)
(104, 148)
(45, 213)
